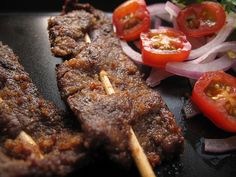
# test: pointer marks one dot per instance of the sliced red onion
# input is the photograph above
(131, 52)
(159, 11)
(156, 76)
(209, 58)
(219, 38)
(224, 47)
(156, 8)
(220, 145)
(172, 9)
(194, 71)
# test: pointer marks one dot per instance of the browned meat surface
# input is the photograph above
(67, 32)
(78, 79)
(22, 109)
(104, 120)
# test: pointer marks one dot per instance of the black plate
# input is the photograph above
(26, 34)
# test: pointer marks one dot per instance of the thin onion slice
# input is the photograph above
(156, 8)
(159, 11)
(156, 76)
(224, 47)
(194, 71)
(219, 38)
(135, 56)
(172, 9)
(165, 11)
(220, 145)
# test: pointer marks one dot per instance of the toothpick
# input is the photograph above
(87, 38)
(24, 137)
(106, 83)
(137, 151)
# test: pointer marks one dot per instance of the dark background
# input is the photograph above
(26, 33)
(54, 5)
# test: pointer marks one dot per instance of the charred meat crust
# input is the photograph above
(22, 108)
(77, 78)
(67, 32)
(103, 120)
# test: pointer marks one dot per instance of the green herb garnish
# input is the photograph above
(229, 5)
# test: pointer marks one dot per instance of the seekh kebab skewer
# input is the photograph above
(137, 151)
(106, 118)
(35, 138)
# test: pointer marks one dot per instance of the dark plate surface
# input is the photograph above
(26, 34)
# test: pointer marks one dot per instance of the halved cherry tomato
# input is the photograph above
(130, 19)
(215, 95)
(201, 19)
(163, 45)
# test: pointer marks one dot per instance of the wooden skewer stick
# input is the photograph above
(106, 83)
(24, 137)
(87, 38)
(137, 151)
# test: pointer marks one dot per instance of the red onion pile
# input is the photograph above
(220, 145)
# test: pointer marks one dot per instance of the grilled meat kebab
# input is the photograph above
(105, 119)
(35, 138)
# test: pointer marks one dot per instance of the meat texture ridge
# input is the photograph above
(23, 109)
(133, 103)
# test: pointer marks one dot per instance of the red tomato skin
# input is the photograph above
(124, 9)
(211, 109)
(215, 9)
(162, 58)
(154, 59)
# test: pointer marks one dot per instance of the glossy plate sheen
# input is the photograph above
(26, 34)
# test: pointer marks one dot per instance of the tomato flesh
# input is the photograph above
(215, 95)
(202, 19)
(219, 91)
(164, 45)
(130, 19)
